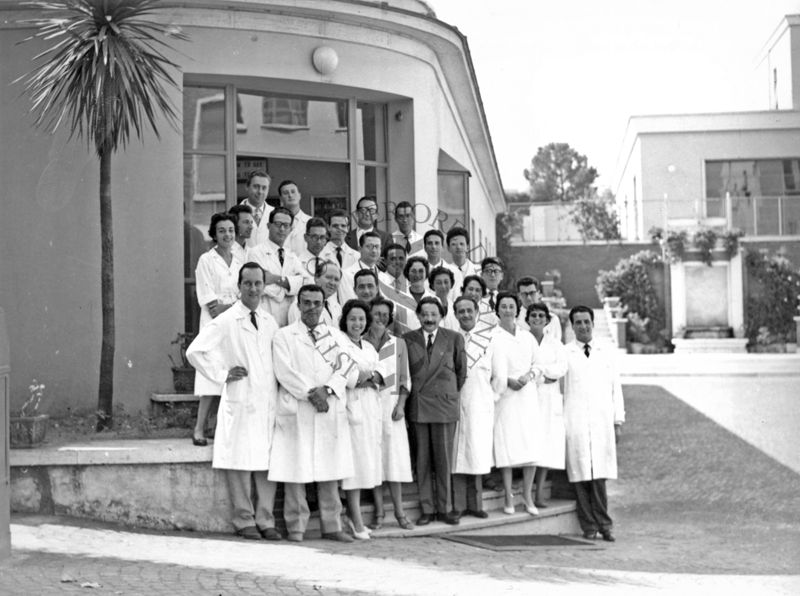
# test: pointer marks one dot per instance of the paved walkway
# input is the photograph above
(707, 503)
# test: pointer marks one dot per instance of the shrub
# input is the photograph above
(772, 298)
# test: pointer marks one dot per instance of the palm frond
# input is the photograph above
(105, 72)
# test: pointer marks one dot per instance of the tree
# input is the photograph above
(105, 73)
(558, 173)
(596, 218)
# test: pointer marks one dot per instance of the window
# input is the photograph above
(281, 111)
(762, 197)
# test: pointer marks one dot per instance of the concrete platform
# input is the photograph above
(168, 484)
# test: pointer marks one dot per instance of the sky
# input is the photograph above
(574, 71)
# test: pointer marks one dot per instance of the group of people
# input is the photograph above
(354, 358)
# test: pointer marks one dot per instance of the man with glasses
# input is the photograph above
(316, 237)
(257, 190)
(283, 275)
(492, 273)
(405, 235)
(529, 292)
(336, 249)
(366, 217)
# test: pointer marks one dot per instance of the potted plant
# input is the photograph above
(30, 427)
(704, 241)
(676, 245)
(730, 240)
(182, 371)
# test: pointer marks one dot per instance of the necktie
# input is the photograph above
(429, 347)
(257, 214)
(408, 245)
(316, 268)
(586, 348)
(339, 255)
(280, 256)
(491, 300)
(253, 318)
(328, 309)
(312, 336)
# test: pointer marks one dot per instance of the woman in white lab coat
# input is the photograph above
(216, 279)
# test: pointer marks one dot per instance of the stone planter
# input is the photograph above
(183, 379)
(27, 431)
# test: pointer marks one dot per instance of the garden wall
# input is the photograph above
(579, 265)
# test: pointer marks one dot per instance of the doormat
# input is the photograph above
(500, 542)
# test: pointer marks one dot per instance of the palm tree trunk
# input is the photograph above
(106, 390)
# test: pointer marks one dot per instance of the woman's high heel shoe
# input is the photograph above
(363, 535)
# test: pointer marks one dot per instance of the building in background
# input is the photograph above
(345, 98)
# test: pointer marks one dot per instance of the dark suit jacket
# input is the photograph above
(352, 241)
(435, 385)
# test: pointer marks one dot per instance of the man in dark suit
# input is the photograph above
(438, 366)
(366, 217)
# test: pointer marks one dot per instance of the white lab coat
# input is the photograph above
(486, 376)
(215, 280)
(246, 415)
(261, 231)
(365, 417)
(311, 446)
(296, 240)
(592, 404)
(552, 362)
(277, 299)
(349, 256)
(516, 413)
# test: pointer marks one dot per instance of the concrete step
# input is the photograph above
(168, 484)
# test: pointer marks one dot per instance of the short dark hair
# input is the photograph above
(528, 280)
(492, 261)
(502, 296)
(315, 222)
(350, 305)
(416, 259)
(403, 205)
(249, 265)
(260, 173)
(430, 300)
(236, 210)
(365, 235)
(286, 183)
(309, 288)
(381, 301)
(430, 233)
(362, 273)
(437, 271)
(470, 278)
(218, 217)
(278, 211)
(367, 198)
(338, 213)
(461, 299)
(457, 231)
(541, 307)
(580, 308)
(392, 246)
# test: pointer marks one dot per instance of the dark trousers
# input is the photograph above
(592, 505)
(467, 492)
(434, 454)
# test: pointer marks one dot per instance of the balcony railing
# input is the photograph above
(759, 215)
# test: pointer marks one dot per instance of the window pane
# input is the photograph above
(203, 195)
(371, 131)
(791, 176)
(453, 198)
(767, 223)
(291, 126)
(791, 216)
(203, 119)
(742, 214)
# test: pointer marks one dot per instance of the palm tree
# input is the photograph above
(106, 74)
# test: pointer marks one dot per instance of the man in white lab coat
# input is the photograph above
(257, 190)
(236, 349)
(283, 271)
(593, 415)
(312, 434)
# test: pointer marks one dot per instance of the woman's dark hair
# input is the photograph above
(417, 259)
(351, 305)
(500, 297)
(218, 217)
(541, 307)
(479, 279)
(381, 301)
